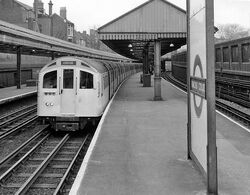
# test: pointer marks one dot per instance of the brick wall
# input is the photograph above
(59, 27)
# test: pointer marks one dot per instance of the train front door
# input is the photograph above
(67, 91)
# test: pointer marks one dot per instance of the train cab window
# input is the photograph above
(246, 52)
(86, 80)
(68, 75)
(225, 54)
(235, 53)
(50, 80)
(218, 55)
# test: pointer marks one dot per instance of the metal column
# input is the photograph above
(157, 70)
(212, 175)
(18, 72)
(146, 75)
(52, 55)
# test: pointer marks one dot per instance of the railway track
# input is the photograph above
(16, 120)
(236, 114)
(43, 164)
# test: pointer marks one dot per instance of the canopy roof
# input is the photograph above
(133, 32)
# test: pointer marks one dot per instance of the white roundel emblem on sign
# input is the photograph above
(198, 73)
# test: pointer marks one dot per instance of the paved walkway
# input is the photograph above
(141, 149)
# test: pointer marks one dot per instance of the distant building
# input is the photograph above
(69, 25)
(79, 38)
(35, 18)
(17, 13)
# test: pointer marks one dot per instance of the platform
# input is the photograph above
(142, 149)
(9, 94)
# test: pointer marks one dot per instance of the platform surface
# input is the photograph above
(9, 94)
(142, 149)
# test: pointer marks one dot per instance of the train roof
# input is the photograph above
(97, 65)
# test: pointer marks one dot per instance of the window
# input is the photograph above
(68, 75)
(86, 80)
(106, 81)
(225, 54)
(246, 52)
(218, 55)
(50, 80)
(235, 53)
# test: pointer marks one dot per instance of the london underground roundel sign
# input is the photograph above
(198, 86)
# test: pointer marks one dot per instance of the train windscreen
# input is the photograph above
(50, 80)
(86, 80)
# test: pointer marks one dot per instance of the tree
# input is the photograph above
(231, 31)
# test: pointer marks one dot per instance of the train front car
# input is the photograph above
(70, 93)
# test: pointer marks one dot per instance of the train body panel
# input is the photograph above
(232, 60)
(73, 91)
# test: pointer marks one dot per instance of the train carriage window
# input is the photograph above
(235, 53)
(68, 75)
(86, 80)
(218, 55)
(246, 52)
(50, 80)
(225, 54)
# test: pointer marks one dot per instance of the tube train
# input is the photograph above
(232, 60)
(74, 91)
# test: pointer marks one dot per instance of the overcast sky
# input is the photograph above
(86, 14)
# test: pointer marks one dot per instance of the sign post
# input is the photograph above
(201, 90)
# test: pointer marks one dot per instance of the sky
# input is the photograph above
(86, 14)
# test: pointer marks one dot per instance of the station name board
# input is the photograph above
(198, 86)
(68, 62)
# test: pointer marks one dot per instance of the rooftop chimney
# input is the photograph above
(35, 9)
(40, 6)
(50, 8)
(63, 12)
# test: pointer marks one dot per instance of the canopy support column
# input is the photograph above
(146, 74)
(18, 72)
(52, 55)
(157, 70)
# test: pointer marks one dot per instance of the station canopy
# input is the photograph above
(136, 30)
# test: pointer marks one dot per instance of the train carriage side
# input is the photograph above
(232, 58)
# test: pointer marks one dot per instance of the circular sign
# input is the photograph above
(198, 72)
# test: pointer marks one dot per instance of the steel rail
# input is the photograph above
(241, 115)
(16, 111)
(17, 128)
(17, 117)
(39, 170)
(12, 168)
(229, 109)
(15, 152)
(62, 182)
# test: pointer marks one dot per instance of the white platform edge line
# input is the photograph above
(82, 171)
(235, 122)
(20, 95)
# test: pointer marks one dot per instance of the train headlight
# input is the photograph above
(49, 104)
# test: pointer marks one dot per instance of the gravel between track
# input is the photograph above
(10, 144)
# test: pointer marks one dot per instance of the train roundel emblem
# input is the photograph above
(198, 85)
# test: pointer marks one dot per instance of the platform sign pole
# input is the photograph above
(188, 86)
(201, 90)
